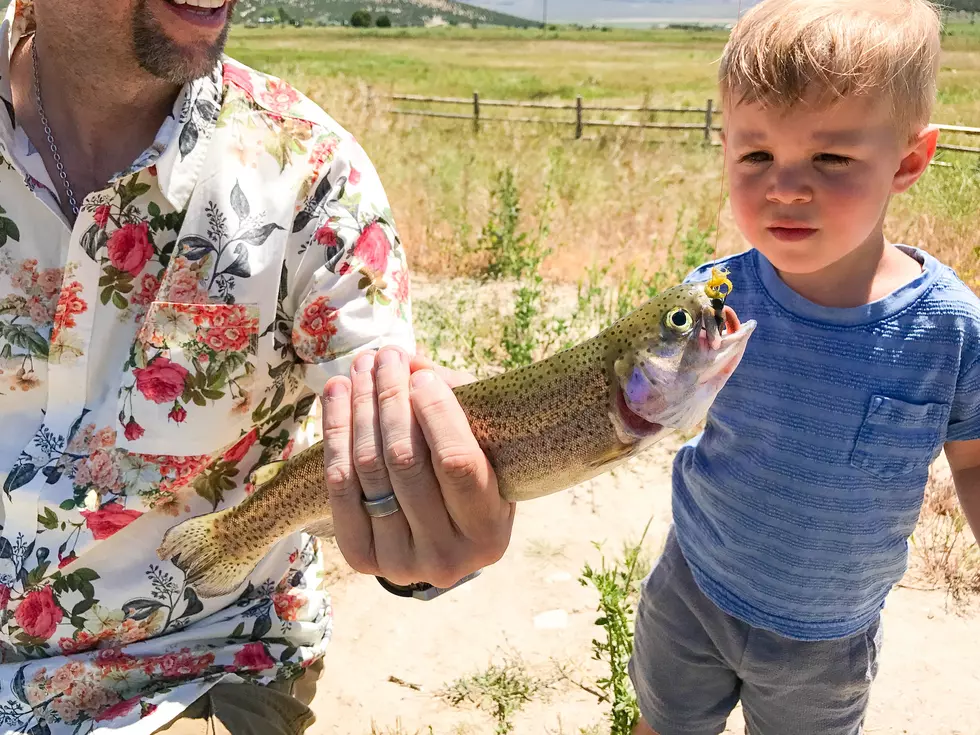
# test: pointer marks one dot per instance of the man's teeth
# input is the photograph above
(206, 4)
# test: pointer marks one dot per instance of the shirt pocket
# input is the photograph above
(898, 437)
(186, 387)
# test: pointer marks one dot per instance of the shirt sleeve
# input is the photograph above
(347, 286)
(964, 414)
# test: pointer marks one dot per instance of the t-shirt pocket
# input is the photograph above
(897, 437)
(187, 383)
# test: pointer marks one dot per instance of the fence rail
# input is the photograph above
(709, 114)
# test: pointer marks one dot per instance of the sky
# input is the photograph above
(583, 11)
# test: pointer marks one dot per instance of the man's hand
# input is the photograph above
(964, 461)
(395, 425)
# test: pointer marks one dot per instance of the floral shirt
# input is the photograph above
(151, 356)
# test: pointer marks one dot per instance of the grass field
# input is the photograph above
(618, 198)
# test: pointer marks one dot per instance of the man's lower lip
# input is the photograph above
(791, 234)
(189, 14)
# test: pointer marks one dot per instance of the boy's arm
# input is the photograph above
(964, 461)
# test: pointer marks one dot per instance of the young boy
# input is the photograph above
(792, 510)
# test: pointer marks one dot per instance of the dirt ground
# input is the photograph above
(390, 657)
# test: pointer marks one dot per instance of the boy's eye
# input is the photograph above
(756, 157)
(833, 160)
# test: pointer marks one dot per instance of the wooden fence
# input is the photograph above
(709, 115)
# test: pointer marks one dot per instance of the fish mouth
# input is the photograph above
(637, 426)
(723, 352)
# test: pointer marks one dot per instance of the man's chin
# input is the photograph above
(162, 56)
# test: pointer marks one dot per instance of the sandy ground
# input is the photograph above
(531, 606)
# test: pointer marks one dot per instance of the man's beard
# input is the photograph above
(164, 58)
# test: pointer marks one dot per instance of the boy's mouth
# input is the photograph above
(791, 234)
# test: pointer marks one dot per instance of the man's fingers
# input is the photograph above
(451, 377)
(392, 537)
(433, 538)
(469, 485)
(352, 526)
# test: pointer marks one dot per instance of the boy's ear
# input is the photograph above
(917, 158)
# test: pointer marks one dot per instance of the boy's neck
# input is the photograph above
(866, 274)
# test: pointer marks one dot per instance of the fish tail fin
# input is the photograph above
(210, 568)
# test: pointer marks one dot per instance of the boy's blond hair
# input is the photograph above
(783, 52)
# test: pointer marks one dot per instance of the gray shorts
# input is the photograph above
(692, 663)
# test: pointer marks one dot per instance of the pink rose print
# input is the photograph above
(69, 304)
(239, 77)
(102, 215)
(129, 248)
(230, 330)
(133, 431)
(326, 236)
(371, 249)
(238, 452)
(254, 657)
(149, 285)
(98, 469)
(38, 614)
(323, 152)
(50, 282)
(401, 286)
(185, 288)
(288, 605)
(318, 318)
(178, 413)
(4, 596)
(161, 381)
(279, 96)
(355, 177)
(120, 709)
(109, 519)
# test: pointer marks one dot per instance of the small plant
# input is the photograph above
(518, 255)
(500, 690)
(950, 557)
(513, 254)
(618, 587)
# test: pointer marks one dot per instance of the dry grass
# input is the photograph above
(946, 552)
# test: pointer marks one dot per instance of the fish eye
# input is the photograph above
(679, 320)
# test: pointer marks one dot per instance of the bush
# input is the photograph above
(383, 21)
(361, 19)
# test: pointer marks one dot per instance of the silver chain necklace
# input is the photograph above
(47, 131)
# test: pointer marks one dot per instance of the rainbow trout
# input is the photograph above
(544, 428)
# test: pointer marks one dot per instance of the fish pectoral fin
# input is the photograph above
(612, 455)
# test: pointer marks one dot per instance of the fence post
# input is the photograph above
(707, 121)
(578, 117)
(476, 112)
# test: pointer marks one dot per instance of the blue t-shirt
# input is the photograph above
(794, 506)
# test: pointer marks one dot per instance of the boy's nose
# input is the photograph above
(788, 188)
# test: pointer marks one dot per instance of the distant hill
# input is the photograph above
(401, 12)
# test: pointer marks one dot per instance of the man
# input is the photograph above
(191, 253)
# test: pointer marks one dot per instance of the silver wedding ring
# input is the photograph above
(382, 507)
